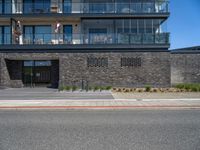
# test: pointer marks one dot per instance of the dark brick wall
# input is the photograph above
(4, 74)
(73, 68)
(154, 70)
(185, 68)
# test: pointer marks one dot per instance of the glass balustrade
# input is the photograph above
(46, 6)
(94, 38)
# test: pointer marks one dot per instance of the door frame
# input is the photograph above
(33, 83)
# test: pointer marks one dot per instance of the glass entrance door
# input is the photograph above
(28, 73)
(36, 73)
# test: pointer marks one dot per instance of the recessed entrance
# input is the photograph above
(40, 73)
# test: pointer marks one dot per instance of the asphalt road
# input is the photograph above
(100, 130)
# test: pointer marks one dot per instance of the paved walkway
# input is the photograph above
(170, 95)
(41, 98)
(101, 104)
(50, 94)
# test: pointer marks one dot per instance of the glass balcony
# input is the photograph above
(5, 39)
(36, 8)
(92, 7)
(94, 38)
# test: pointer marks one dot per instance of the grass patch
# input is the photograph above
(147, 88)
(194, 87)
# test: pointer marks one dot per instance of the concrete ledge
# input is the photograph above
(98, 104)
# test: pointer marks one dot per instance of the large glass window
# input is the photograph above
(67, 6)
(123, 6)
(37, 34)
(67, 30)
(98, 35)
(148, 7)
(36, 6)
(97, 7)
(42, 63)
(5, 35)
(5, 6)
(43, 34)
(123, 31)
(28, 35)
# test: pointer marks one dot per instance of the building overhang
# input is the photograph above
(85, 48)
(187, 50)
(57, 16)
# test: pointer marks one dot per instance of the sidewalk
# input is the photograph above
(99, 104)
(43, 98)
(147, 95)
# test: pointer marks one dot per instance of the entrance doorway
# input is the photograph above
(37, 73)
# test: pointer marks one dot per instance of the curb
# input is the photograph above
(107, 100)
(101, 107)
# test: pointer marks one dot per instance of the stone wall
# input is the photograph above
(74, 69)
(154, 70)
(4, 74)
(11, 66)
(185, 68)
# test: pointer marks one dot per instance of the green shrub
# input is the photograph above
(180, 86)
(96, 88)
(148, 88)
(67, 88)
(102, 88)
(189, 87)
(74, 88)
(90, 88)
(194, 89)
(108, 87)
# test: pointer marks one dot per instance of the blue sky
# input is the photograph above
(184, 23)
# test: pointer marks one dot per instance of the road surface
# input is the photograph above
(100, 130)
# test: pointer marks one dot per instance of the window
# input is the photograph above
(131, 62)
(5, 35)
(37, 34)
(67, 30)
(42, 63)
(98, 30)
(97, 35)
(5, 6)
(123, 6)
(67, 6)
(36, 6)
(31, 63)
(97, 62)
(97, 7)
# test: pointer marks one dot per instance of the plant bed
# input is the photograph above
(89, 89)
(148, 89)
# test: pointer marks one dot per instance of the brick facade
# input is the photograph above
(73, 68)
(185, 68)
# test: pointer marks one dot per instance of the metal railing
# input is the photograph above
(94, 38)
(113, 8)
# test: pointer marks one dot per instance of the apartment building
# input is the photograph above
(84, 43)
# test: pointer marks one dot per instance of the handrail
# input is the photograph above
(75, 7)
(90, 38)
